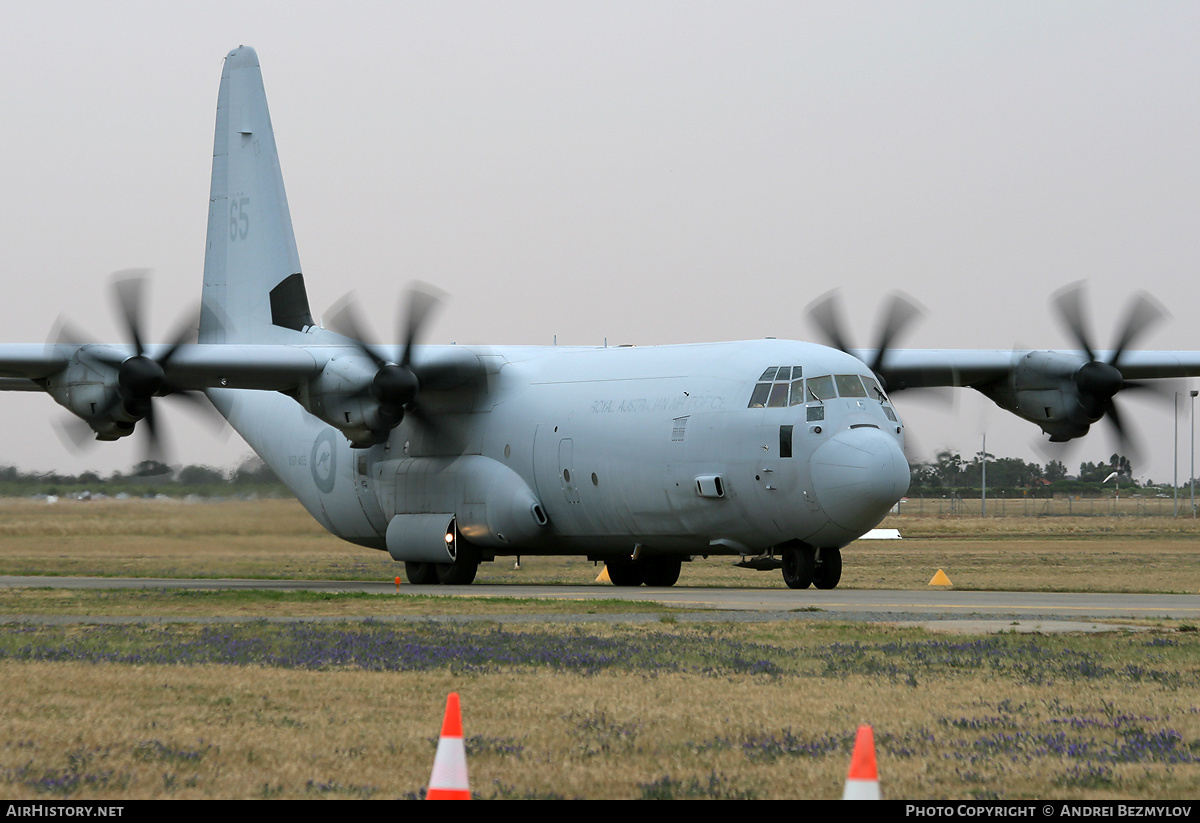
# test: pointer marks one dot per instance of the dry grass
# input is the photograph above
(260, 603)
(137, 730)
(278, 539)
(214, 731)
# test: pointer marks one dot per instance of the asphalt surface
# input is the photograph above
(946, 610)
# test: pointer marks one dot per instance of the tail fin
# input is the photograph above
(253, 289)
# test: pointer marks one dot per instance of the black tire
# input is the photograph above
(459, 573)
(828, 570)
(798, 564)
(624, 572)
(660, 571)
(421, 574)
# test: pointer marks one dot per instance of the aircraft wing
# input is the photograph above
(23, 367)
(270, 368)
(927, 368)
(1063, 392)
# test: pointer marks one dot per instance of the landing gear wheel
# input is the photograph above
(798, 564)
(462, 571)
(624, 572)
(421, 574)
(828, 570)
(459, 573)
(660, 571)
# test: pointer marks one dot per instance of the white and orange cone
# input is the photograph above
(863, 781)
(449, 779)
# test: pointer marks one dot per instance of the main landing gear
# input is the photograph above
(805, 566)
(459, 573)
(653, 571)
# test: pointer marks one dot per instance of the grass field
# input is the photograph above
(764, 710)
(277, 539)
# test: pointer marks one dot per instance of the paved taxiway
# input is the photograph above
(944, 609)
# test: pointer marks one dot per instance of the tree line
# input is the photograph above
(950, 472)
(149, 477)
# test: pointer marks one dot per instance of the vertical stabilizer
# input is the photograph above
(253, 289)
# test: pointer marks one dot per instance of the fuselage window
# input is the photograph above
(768, 375)
(849, 385)
(785, 441)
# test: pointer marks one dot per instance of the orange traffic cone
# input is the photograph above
(863, 781)
(449, 779)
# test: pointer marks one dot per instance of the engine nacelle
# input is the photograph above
(488, 503)
(1043, 389)
(89, 389)
(340, 395)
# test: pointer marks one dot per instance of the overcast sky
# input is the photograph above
(645, 172)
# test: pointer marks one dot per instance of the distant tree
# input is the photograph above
(923, 474)
(200, 476)
(1055, 470)
(949, 468)
(254, 470)
(1121, 465)
(1012, 472)
(151, 468)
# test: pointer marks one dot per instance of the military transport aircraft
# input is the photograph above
(779, 452)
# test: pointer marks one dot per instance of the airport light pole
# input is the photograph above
(1175, 476)
(1192, 472)
(983, 485)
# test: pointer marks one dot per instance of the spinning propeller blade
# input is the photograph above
(1098, 381)
(899, 315)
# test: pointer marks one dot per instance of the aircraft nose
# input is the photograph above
(858, 475)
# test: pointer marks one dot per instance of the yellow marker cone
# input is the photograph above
(862, 783)
(449, 779)
(940, 579)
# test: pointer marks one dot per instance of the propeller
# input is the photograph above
(395, 385)
(899, 315)
(1099, 381)
(141, 378)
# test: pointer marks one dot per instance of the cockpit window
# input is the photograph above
(873, 389)
(797, 393)
(820, 389)
(759, 399)
(779, 396)
(849, 385)
(777, 385)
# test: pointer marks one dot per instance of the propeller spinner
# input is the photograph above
(395, 386)
(1098, 381)
(139, 378)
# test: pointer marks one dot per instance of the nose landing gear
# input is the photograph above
(804, 566)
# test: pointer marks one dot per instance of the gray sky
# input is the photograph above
(649, 172)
